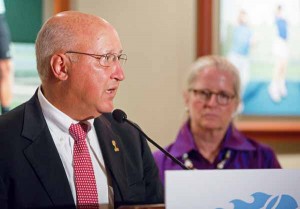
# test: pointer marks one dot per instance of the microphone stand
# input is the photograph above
(156, 145)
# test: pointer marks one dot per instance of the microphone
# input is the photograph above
(121, 117)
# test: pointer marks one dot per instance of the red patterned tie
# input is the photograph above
(85, 182)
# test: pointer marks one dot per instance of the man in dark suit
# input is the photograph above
(79, 60)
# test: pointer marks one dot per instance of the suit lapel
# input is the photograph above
(111, 148)
(43, 155)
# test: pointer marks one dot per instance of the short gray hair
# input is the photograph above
(53, 37)
(220, 63)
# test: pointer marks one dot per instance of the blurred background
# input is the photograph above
(161, 39)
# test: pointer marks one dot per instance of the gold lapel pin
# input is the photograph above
(116, 149)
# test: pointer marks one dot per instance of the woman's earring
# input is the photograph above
(186, 109)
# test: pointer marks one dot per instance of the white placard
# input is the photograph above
(233, 189)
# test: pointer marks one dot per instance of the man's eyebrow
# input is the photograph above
(111, 52)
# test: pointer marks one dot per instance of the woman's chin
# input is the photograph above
(211, 125)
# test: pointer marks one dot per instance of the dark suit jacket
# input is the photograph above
(32, 175)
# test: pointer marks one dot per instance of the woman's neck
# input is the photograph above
(208, 141)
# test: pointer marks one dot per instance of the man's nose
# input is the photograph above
(118, 72)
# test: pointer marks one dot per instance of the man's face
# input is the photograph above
(95, 86)
(210, 114)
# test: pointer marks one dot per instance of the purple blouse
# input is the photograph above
(237, 152)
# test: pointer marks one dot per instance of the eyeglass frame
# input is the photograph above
(99, 56)
(207, 94)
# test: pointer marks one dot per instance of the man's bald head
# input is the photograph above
(63, 32)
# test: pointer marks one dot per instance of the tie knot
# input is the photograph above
(78, 131)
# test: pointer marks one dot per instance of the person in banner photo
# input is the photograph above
(277, 88)
(242, 41)
(6, 65)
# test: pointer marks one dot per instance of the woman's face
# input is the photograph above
(211, 100)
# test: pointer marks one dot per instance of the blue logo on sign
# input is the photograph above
(266, 201)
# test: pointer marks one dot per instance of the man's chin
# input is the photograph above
(106, 108)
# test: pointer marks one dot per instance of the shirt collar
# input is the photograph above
(185, 143)
(236, 140)
(55, 116)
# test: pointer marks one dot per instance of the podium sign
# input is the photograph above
(233, 189)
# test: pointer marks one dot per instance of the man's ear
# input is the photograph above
(59, 66)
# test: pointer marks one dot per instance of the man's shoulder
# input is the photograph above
(12, 117)
(11, 126)
(17, 113)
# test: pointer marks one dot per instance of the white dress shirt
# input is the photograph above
(58, 124)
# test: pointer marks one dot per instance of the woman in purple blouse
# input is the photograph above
(208, 139)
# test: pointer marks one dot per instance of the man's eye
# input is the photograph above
(109, 57)
(104, 58)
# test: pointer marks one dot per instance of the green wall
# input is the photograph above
(24, 18)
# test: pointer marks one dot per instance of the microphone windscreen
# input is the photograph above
(119, 115)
